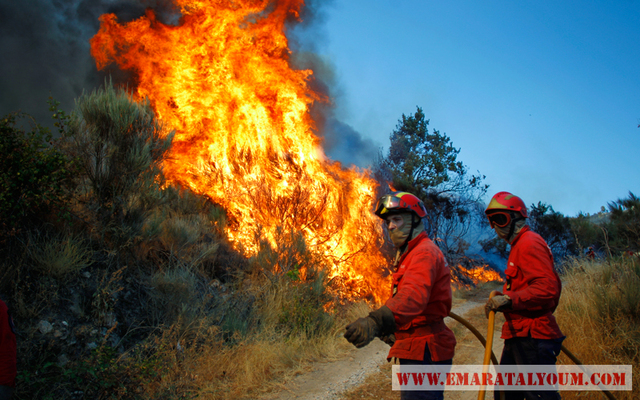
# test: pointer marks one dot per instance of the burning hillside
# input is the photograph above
(244, 137)
(471, 275)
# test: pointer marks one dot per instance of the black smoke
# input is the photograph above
(341, 142)
(44, 51)
(44, 48)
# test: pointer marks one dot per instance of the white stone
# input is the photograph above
(44, 327)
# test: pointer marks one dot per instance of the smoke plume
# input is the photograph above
(45, 52)
(45, 49)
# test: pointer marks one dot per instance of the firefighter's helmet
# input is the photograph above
(397, 202)
(501, 208)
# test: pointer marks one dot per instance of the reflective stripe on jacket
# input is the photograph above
(534, 288)
(422, 285)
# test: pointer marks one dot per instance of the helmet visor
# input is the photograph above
(386, 203)
(499, 219)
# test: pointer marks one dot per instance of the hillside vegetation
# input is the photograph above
(124, 286)
(599, 312)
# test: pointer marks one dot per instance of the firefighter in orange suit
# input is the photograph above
(530, 294)
(8, 353)
(412, 319)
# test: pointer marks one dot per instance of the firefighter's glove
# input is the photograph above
(363, 330)
(389, 339)
(497, 303)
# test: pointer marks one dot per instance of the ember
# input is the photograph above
(244, 137)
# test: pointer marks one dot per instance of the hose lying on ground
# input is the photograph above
(575, 360)
(482, 340)
(473, 330)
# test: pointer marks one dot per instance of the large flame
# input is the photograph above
(244, 137)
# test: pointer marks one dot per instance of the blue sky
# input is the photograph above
(543, 97)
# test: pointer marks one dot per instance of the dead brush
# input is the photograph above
(265, 355)
(272, 325)
(104, 298)
(58, 255)
(174, 293)
(184, 237)
(238, 346)
(598, 313)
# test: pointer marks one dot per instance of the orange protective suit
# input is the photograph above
(534, 288)
(7, 348)
(420, 300)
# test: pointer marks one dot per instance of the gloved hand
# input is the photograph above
(363, 330)
(497, 303)
(389, 339)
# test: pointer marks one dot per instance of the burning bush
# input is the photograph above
(467, 272)
(244, 135)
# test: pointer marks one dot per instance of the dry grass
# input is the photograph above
(246, 365)
(375, 386)
(258, 364)
(599, 315)
(58, 255)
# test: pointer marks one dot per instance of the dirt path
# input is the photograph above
(328, 380)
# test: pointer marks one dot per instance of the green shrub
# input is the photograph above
(303, 309)
(121, 146)
(34, 175)
(624, 224)
(103, 374)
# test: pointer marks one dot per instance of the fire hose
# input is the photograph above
(488, 348)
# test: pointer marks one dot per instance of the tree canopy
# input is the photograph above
(623, 229)
(426, 164)
(555, 229)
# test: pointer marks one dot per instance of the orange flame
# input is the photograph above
(244, 137)
(476, 275)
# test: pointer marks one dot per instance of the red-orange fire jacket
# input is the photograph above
(7, 348)
(422, 298)
(534, 288)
